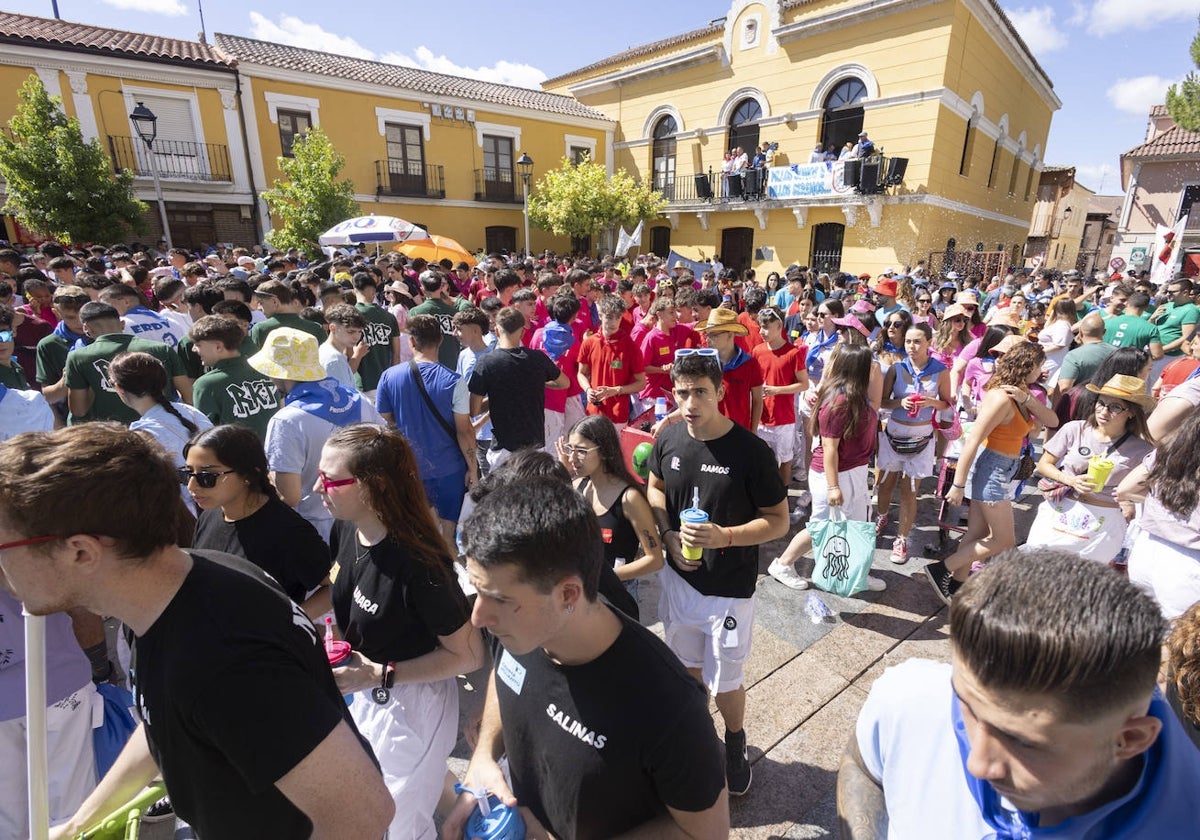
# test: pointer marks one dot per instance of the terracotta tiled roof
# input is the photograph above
(1175, 142)
(1055, 169)
(27, 29)
(643, 50)
(425, 82)
(1159, 111)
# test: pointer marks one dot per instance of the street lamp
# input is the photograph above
(146, 124)
(525, 169)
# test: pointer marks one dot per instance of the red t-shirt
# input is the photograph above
(852, 451)
(611, 362)
(779, 367)
(748, 342)
(1176, 373)
(738, 383)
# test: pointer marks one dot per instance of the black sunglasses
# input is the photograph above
(205, 478)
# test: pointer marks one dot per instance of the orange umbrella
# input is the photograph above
(436, 248)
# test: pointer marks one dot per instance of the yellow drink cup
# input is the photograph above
(695, 516)
(1099, 469)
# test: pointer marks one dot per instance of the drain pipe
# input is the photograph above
(255, 218)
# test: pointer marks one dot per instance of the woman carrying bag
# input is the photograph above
(988, 465)
(1084, 462)
(844, 425)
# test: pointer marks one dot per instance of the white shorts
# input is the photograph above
(706, 631)
(782, 440)
(918, 465)
(412, 736)
(856, 498)
(72, 761)
(1170, 573)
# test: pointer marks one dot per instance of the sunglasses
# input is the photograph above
(924, 300)
(328, 483)
(205, 478)
(28, 541)
(958, 319)
(707, 352)
(895, 324)
(579, 451)
(1111, 408)
(6, 336)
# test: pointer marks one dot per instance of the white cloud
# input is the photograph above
(503, 72)
(156, 7)
(1107, 17)
(1038, 29)
(1136, 95)
(1101, 177)
(298, 33)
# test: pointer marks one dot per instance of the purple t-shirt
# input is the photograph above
(67, 668)
(1076, 442)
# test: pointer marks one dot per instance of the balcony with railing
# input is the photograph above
(493, 184)
(177, 160)
(409, 178)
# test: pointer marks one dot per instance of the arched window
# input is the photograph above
(843, 116)
(743, 126)
(663, 156)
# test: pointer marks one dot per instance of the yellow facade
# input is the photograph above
(926, 67)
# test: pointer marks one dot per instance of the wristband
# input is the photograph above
(729, 533)
(959, 486)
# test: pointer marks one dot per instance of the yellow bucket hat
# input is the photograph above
(289, 354)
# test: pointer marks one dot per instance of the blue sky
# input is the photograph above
(1110, 60)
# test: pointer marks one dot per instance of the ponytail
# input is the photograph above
(162, 400)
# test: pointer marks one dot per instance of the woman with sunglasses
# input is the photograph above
(970, 304)
(989, 460)
(951, 336)
(592, 453)
(226, 472)
(888, 346)
(398, 603)
(915, 389)
(924, 313)
(1080, 509)
(945, 297)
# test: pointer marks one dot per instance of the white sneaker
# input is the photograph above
(876, 584)
(804, 499)
(786, 575)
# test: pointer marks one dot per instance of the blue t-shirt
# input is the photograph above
(907, 736)
(438, 454)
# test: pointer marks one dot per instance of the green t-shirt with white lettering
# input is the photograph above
(381, 328)
(260, 331)
(234, 392)
(87, 369)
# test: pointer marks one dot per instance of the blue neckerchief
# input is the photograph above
(3, 391)
(63, 331)
(1009, 825)
(80, 343)
(557, 339)
(892, 348)
(812, 359)
(740, 357)
(328, 400)
(1193, 374)
(932, 366)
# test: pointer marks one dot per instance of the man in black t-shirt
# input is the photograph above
(513, 378)
(239, 710)
(605, 732)
(709, 599)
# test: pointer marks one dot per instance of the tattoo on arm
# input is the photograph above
(862, 811)
(649, 539)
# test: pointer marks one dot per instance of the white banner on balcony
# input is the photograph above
(807, 180)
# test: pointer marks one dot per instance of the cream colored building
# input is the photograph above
(946, 85)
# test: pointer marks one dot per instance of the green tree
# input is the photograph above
(57, 184)
(1183, 99)
(312, 199)
(581, 200)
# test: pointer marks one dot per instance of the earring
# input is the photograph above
(570, 609)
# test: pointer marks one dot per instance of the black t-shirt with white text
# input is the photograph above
(275, 538)
(235, 690)
(737, 478)
(514, 381)
(598, 749)
(389, 605)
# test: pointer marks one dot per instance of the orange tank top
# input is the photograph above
(1007, 438)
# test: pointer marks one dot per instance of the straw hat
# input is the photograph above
(1127, 388)
(723, 320)
(1007, 343)
(954, 310)
(289, 354)
(966, 299)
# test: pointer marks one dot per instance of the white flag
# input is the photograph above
(636, 237)
(624, 243)
(1168, 249)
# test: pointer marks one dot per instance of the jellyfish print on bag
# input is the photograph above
(837, 558)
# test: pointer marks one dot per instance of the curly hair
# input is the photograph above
(1183, 662)
(1014, 367)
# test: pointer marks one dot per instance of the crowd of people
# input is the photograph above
(407, 471)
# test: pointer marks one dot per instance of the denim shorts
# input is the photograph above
(991, 477)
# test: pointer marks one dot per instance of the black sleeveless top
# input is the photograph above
(620, 539)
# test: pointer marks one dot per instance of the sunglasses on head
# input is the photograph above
(205, 478)
(707, 352)
(6, 336)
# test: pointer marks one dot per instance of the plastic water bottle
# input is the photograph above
(818, 611)
(660, 409)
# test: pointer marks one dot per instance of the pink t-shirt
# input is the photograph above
(1183, 531)
(853, 451)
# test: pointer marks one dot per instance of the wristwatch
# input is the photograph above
(389, 675)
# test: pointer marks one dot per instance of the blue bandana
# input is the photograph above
(557, 339)
(3, 391)
(328, 400)
(740, 357)
(63, 331)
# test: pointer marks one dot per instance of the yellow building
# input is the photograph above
(945, 85)
(434, 149)
(101, 75)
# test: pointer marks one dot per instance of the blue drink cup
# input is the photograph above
(694, 516)
(502, 823)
